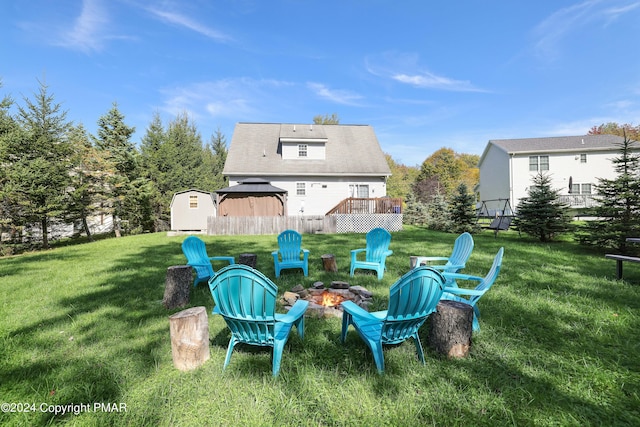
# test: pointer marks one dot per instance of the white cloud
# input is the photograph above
(338, 96)
(86, 34)
(188, 23)
(227, 98)
(405, 68)
(550, 32)
(428, 80)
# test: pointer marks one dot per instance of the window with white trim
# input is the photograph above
(538, 163)
(583, 158)
(301, 189)
(193, 202)
(359, 190)
(303, 150)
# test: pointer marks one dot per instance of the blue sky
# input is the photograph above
(425, 75)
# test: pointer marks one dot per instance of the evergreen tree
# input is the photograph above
(438, 213)
(9, 209)
(214, 157)
(184, 144)
(156, 162)
(463, 212)
(415, 212)
(127, 185)
(37, 157)
(619, 203)
(87, 194)
(541, 214)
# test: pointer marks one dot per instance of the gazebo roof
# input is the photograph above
(252, 185)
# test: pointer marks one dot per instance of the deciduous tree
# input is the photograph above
(326, 119)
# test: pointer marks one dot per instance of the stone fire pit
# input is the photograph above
(325, 302)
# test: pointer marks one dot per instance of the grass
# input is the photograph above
(85, 324)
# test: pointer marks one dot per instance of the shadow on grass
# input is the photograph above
(533, 326)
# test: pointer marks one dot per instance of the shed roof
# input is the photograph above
(349, 150)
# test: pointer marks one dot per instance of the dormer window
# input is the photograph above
(303, 150)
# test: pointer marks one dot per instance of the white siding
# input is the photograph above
(315, 151)
(562, 166)
(322, 193)
(494, 177)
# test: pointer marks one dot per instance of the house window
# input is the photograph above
(193, 202)
(538, 163)
(301, 189)
(544, 163)
(302, 150)
(583, 158)
(359, 191)
(580, 188)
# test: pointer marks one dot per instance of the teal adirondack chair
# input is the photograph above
(471, 296)
(246, 299)
(376, 252)
(290, 253)
(462, 248)
(411, 299)
(195, 251)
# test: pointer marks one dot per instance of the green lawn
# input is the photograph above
(85, 325)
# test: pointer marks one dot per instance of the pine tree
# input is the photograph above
(541, 214)
(214, 157)
(619, 203)
(128, 188)
(38, 156)
(439, 215)
(87, 194)
(415, 212)
(463, 212)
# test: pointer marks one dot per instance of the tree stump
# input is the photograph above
(177, 286)
(189, 338)
(450, 328)
(248, 259)
(329, 263)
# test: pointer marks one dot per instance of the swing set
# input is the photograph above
(495, 219)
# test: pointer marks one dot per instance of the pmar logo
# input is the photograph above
(109, 407)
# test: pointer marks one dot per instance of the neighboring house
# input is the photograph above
(574, 164)
(317, 165)
(190, 209)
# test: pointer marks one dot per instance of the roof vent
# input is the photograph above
(294, 128)
(582, 141)
(310, 127)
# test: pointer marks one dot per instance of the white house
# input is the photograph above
(317, 165)
(574, 164)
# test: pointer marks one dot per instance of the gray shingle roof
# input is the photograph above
(559, 143)
(350, 150)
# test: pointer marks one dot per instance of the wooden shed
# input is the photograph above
(252, 197)
(190, 210)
